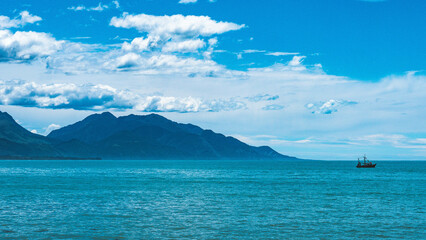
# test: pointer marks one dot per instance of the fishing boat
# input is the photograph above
(366, 163)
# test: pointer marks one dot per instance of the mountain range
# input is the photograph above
(104, 136)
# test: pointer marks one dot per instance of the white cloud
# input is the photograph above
(129, 60)
(141, 56)
(175, 25)
(116, 4)
(212, 41)
(77, 8)
(141, 44)
(296, 61)
(191, 45)
(100, 97)
(50, 128)
(26, 45)
(78, 58)
(187, 1)
(172, 63)
(278, 54)
(168, 38)
(329, 106)
(99, 8)
(253, 51)
(24, 18)
(162, 64)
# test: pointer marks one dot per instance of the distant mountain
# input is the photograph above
(151, 137)
(18, 142)
(130, 137)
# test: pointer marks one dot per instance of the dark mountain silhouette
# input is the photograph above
(18, 142)
(130, 137)
(151, 137)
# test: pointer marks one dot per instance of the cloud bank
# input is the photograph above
(100, 97)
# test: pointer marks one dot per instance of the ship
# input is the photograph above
(366, 163)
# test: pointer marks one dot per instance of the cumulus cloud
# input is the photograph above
(141, 44)
(26, 45)
(171, 44)
(24, 18)
(127, 61)
(167, 26)
(329, 106)
(101, 97)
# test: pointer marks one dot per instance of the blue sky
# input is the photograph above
(315, 79)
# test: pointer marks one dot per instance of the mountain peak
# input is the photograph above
(107, 114)
(5, 116)
(92, 128)
(104, 115)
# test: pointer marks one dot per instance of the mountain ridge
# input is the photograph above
(105, 136)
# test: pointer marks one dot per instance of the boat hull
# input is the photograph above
(367, 166)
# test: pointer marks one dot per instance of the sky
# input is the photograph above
(329, 79)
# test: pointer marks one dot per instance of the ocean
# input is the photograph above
(211, 200)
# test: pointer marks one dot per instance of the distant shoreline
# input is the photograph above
(46, 158)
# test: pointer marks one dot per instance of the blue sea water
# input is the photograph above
(211, 200)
